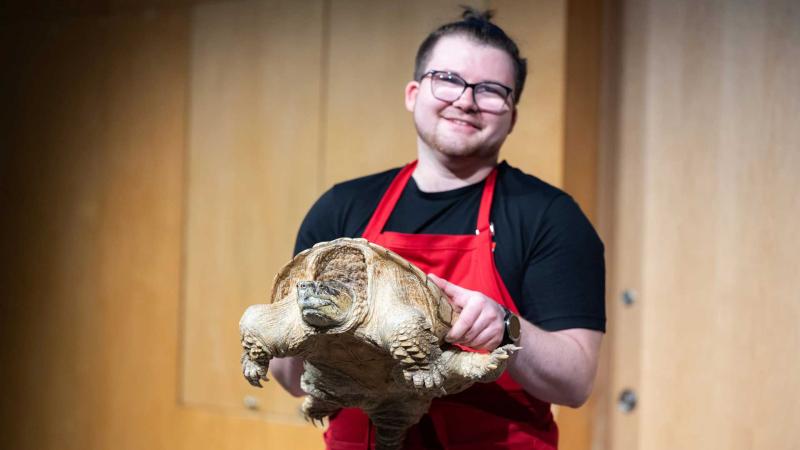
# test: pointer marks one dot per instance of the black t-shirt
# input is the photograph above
(548, 254)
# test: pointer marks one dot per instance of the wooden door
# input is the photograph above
(701, 161)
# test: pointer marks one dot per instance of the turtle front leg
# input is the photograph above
(319, 402)
(464, 368)
(414, 346)
(255, 360)
(316, 409)
(268, 331)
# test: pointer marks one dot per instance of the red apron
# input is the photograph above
(496, 415)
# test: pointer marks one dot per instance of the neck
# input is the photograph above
(437, 173)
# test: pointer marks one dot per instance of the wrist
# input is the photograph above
(511, 328)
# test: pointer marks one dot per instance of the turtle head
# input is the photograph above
(324, 304)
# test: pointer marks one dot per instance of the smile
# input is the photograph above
(462, 123)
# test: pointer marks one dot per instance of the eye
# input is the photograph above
(450, 78)
(491, 89)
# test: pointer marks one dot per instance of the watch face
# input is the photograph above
(513, 327)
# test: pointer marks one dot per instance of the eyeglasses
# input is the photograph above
(489, 96)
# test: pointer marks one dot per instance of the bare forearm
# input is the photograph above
(557, 367)
(287, 371)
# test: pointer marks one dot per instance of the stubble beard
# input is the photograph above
(446, 147)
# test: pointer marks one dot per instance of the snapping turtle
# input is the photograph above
(370, 327)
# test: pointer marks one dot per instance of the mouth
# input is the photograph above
(319, 312)
(463, 123)
(319, 320)
(313, 302)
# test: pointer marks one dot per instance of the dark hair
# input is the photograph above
(477, 26)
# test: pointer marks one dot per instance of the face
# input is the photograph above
(324, 304)
(458, 129)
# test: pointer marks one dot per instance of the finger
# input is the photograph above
(464, 322)
(486, 340)
(487, 330)
(442, 284)
(483, 321)
(454, 291)
(490, 316)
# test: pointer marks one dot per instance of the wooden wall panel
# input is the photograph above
(253, 147)
(92, 177)
(714, 139)
(95, 154)
(540, 29)
(580, 428)
(582, 102)
(734, 94)
(621, 211)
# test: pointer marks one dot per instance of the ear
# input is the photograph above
(513, 120)
(412, 89)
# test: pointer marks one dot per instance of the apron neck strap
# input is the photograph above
(395, 190)
(486, 202)
(386, 205)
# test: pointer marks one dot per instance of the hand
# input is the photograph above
(480, 322)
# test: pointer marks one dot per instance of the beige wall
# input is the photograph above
(156, 161)
(700, 206)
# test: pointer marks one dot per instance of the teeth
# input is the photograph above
(462, 122)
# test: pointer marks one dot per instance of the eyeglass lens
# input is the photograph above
(448, 87)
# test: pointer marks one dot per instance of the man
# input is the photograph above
(500, 243)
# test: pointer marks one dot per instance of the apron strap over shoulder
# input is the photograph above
(485, 209)
(386, 205)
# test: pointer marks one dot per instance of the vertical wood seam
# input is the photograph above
(324, 81)
(184, 225)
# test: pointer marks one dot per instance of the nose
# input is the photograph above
(467, 100)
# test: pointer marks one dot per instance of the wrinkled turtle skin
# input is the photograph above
(370, 327)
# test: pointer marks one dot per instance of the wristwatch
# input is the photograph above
(512, 328)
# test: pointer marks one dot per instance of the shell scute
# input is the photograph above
(304, 266)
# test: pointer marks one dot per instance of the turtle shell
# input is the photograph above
(364, 266)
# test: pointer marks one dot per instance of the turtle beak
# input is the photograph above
(321, 304)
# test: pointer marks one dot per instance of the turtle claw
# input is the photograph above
(316, 410)
(254, 372)
(423, 378)
(495, 363)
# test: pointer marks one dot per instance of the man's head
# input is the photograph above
(463, 68)
(476, 26)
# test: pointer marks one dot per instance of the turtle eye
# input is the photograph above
(331, 287)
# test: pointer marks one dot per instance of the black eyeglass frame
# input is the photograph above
(466, 85)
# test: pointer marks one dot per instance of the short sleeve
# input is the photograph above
(564, 280)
